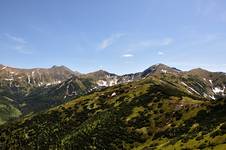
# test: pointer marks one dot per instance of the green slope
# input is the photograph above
(148, 114)
(8, 110)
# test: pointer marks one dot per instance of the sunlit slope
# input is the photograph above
(148, 114)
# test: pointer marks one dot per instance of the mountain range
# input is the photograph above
(161, 107)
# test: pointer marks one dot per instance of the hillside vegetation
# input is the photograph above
(153, 113)
(8, 110)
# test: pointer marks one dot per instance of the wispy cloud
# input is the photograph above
(19, 44)
(107, 42)
(16, 39)
(160, 53)
(127, 55)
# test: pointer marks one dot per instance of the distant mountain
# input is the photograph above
(44, 98)
(36, 77)
(198, 81)
(209, 84)
(104, 78)
(19, 84)
(159, 69)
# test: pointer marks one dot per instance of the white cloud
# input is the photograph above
(16, 39)
(160, 53)
(127, 55)
(107, 42)
(18, 44)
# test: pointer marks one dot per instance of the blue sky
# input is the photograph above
(120, 36)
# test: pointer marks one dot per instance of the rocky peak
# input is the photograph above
(159, 68)
(100, 74)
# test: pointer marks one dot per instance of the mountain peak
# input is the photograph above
(62, 67)
(100, 75)
(159, 68)
(198, 70)
(55, 66)
(160, 65)
(100, 72)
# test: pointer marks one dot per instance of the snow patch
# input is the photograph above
(8, 79)
(190, 88)
(28, 79)
(40, 84)
(194, 90)
(32, 74)
(164, 71)
(205, 95)
(217, 90)
(4, 67)
(48, 84)
(189, 92)
(113, 94)
(113, 82)
(211, 82)
(90, 90)
(102, 83)
(184, 84)
(212, 97)
(53, 83)
(200, 85)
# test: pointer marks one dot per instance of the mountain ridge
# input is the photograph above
(36, 90)
(101, 70)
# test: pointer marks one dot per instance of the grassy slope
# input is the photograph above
(147, 114)
(8, 110)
